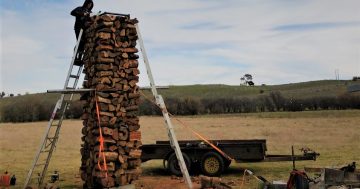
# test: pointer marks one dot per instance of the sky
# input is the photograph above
(190, 41)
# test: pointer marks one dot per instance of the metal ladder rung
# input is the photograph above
(70, 87)
(53, 125)
(45, 151)
(74, 76)
(55, 122)
(68, 101)
(78, 62)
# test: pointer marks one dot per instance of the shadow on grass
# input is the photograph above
(155, 171)
(195, 171)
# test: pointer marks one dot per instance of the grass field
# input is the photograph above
(334, 134)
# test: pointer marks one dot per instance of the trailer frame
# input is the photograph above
(198, 152)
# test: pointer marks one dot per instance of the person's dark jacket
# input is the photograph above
(81, 14)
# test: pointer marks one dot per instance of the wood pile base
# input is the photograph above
(110, 67)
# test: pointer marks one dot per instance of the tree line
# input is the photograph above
(39, 110)
(272, 102)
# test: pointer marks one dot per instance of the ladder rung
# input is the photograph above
(74, 76)
(55, 124)
(67, 102)
(52, 138)
(40, 164)
(78, 62)
(43, 151)
(70, 88)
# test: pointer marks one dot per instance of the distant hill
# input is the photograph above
(292, 90)
(204, 99)
(295, 90)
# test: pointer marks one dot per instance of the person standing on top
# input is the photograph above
(82, 14)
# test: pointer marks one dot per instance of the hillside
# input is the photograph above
(204, 99)
(295, 90)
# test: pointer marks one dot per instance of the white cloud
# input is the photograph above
(195, 41)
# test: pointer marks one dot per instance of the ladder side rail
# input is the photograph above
(43, 142)
(174, 142)
(57, 132)
(52, 118)
(73, 58)
(63, 111)
(146, 61)
(160, 102)
(53, 143)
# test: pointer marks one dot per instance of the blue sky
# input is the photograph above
(190, 41)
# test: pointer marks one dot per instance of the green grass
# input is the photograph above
(302, 90)
(302, 114)
(296, 90)
(333, 134)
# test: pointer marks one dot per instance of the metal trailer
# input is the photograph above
(199, 154)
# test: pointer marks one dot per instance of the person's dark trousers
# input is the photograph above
(81, 45)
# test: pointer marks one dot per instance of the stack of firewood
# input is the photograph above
(110, 67)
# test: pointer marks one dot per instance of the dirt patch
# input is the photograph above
(155, 182)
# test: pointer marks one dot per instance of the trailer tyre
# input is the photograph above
(212, 164)
(173, 165)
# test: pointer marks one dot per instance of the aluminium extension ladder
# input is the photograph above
(48, 142)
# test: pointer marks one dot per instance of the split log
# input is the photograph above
(104, 130)
(107, 114)
(134, 153)
(135, 136)
(111, 156)
(104, 100)
(123, 133)
(107, 182)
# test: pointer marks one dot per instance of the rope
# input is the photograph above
(190, 129)
(101, 140)
(251, 174)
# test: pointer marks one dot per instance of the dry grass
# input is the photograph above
(335, 135)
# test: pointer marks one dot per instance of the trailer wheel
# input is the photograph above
(212, 164)
(173, 165)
